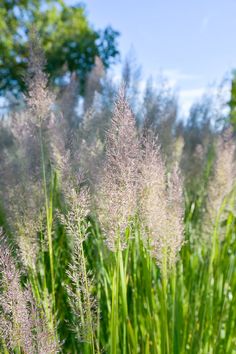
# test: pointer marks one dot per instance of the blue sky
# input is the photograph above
(192, 42)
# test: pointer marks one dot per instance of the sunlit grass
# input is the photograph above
(126, 267)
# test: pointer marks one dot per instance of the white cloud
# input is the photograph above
(187, 97)
(192, 93)
(175, 76)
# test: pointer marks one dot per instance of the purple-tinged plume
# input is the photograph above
(116, 199)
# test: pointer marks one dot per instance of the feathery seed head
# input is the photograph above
(83, 304)
(39, 99)
(75, 219)
(15, 324)
(223, 179)
(25, 217)
(161, 205)
(116, 198)
(22, 325)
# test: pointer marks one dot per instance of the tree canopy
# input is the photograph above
(232, 102)
(69, 41)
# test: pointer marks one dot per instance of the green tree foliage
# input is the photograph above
(69, 42)
(232, 102)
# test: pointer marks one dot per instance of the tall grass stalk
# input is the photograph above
(49, 216)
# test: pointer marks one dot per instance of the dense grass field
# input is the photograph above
(132, 260)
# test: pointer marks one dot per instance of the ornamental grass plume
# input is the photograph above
(27, 227)
(116, 197)
(39, 99)
(80, 294)
(22, 326)
(44, 337)
(25, 215)
(90, 146)
(40, 115)
(78, 202)
(222, 181)
(160, 205)
(82, 302)
(175, 214)
(15, 324)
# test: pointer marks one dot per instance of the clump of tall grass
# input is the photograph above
(111, 267)
(141, 215)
